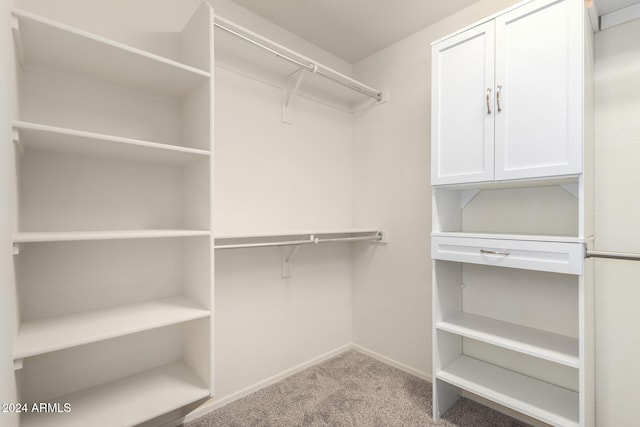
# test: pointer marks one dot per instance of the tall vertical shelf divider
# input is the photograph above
(512, 162)
(113, 242)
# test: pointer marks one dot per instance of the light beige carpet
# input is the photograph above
(351, 389)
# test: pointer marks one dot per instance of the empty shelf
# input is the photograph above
(68, 236)
(51, 334)
(543, 401)
(510, 236)
(126, 402)
(545, 345)
(87, 54)
(51, 138)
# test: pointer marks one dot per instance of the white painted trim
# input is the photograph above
(214, 403)
(620, 16)
(384, 359)
(593, 14)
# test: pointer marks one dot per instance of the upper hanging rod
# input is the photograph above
(304, 62)
(613, 255)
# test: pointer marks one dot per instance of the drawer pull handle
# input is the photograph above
(488, 101)
(486, 251)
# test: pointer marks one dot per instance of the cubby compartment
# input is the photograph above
(60, 191)
(94, 56)
(121, 381)
(545, 209)
(68, 295)
(72, 104)
(532, 312)
(508, 386)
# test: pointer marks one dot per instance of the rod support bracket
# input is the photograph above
(289, 91)
(17, 142)
(288, 252)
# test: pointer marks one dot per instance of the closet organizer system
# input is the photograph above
(113, 241)
(512, 177)
(302, 76)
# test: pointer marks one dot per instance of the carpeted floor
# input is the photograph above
(351, 389)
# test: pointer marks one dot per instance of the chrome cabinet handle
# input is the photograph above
(488, 101)
(486, 251)
(498, 89)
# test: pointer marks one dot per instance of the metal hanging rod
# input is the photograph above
(312, 239)
(308, 64)
(309, 67)
(613, 255)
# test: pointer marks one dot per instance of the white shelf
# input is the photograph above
(545, 345)
(509, 236)
(516, 183)
(126, 402)
(51, 334)
(543, 401)
(51, 138)
(87, 54)
(70, 236)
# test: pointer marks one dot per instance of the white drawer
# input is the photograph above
(556, 257)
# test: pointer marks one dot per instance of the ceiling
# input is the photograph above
(354, 29)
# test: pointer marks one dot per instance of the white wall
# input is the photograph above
(392, 286)
(617, 228)
(7, 289)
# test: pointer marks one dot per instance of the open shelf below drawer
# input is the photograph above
(537, 399)
(535, 342)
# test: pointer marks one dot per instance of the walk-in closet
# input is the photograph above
(244, 212)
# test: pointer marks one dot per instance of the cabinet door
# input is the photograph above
(539, 90)
(463, 107)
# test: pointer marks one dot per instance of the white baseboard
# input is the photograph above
(384, 359)
(214, 403)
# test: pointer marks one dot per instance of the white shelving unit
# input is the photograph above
(113, 241)
(512, 291)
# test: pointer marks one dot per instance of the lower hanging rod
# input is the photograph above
(311, 240)
(613, 255)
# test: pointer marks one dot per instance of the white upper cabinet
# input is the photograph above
(462, 125)
(510, 106)
(539, 82)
